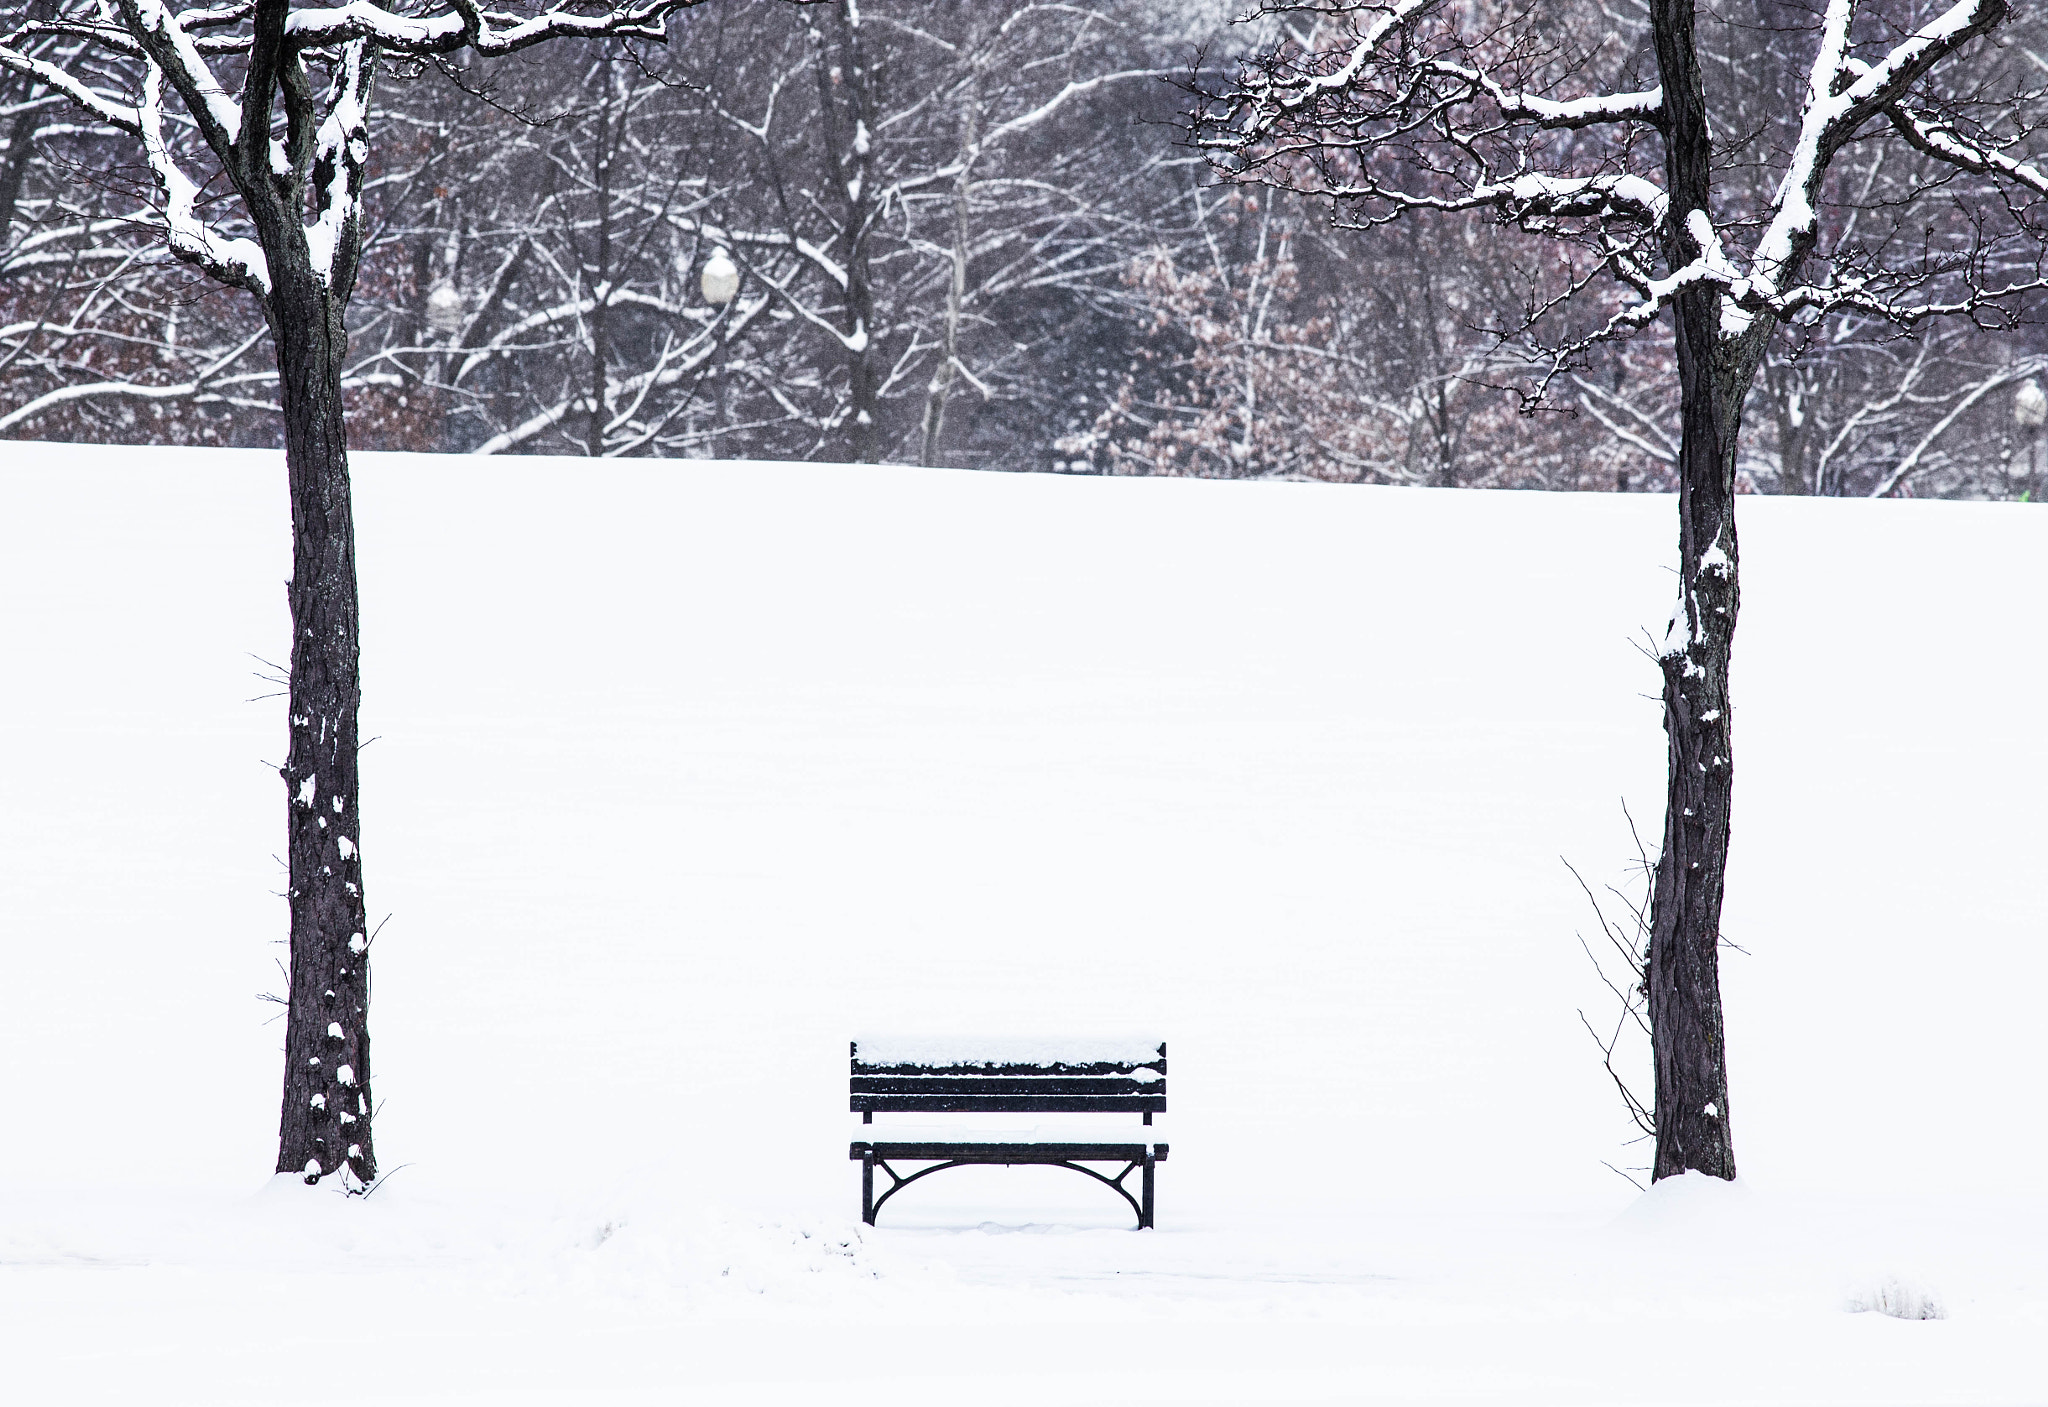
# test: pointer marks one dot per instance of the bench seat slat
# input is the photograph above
(1118, 1129)
(1013, 1153)
(938, 1052)
(1085, 1082)
(1000, 1086)
(1009, 1104)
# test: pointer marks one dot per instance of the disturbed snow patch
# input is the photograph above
(1888, 1294)
(659, 1252)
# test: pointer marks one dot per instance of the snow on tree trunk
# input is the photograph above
(325, 1123)
(1682, 971)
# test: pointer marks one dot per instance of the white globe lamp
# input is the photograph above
(721, 281)
(2030, 406)
(444, 310)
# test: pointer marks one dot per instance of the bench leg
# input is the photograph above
(867, 1188)
(1145, 1196)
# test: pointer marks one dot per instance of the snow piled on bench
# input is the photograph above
(1118, 1130)
(953, 1051)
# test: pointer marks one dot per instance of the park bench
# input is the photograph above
(965, 1076)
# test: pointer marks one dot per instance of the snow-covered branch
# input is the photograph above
(148, 52)
(1939, 138)
(208, 376)
(462, 24)
(236, 261)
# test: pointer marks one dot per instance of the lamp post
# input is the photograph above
(2030, 413)
(444, 310)
(721, 281)
(721, 284)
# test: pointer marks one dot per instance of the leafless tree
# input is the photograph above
(253, 121)
(545, 289)
(964, 183)
(1048, 283)
(92, 332)
(1605, 142)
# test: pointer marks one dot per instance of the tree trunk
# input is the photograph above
(325, 1125)
(1795, 426)
(21, 137)
(1682, 968)
(849, 147)
(956, 297)
(21, 133)
(600, 311)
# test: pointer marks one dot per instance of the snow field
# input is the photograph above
(686, 773)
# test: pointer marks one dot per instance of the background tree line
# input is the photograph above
(966, 235)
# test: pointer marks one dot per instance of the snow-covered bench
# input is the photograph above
(1090, 1077)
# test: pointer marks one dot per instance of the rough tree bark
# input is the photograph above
(325, 1121)
(1718, 363)
(1682, 969)
(326, 1118)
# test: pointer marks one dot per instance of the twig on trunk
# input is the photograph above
(1629, 941)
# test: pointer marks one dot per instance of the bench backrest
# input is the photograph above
(1008, 1076)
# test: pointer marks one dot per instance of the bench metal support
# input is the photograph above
(1136, 1159)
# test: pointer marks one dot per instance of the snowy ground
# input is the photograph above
(686, 773)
